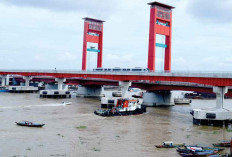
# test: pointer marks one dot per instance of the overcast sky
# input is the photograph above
(46, 34)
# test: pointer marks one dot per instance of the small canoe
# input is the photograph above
(29, 124)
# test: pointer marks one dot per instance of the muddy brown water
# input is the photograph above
(126, 136)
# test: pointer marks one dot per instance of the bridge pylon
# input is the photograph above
(160, 23)
(93, 33)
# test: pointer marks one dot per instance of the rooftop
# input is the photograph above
(91, 19)
(161, 4)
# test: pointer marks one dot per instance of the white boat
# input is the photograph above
(182, 101)
(66, 103)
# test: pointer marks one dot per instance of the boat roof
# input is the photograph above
(26, 121)
(168, 142)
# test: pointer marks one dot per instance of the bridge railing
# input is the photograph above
(211, 74)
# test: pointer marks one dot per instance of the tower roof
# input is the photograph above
(91, 19)
(161, 4)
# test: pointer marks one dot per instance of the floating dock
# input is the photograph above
(55, 94)
(23, 89)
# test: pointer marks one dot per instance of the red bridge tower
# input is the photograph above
(93, 32)
(160, 23)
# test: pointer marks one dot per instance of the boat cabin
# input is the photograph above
(127, 104)
(168, 143)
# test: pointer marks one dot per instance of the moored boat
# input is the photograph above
(169, 144)
(222, 144)
(205, 153)
(188, 151)
(124, 106)
(29, 124)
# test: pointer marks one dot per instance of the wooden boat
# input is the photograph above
(195, 148)
(199, 153)
(222, 144)
(29, 124)
(169, 144)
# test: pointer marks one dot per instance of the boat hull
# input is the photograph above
(33, 125)
(169, 146)
(109, 113)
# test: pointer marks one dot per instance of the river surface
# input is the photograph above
(126, 136)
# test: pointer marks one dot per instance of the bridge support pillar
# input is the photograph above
(60, 82)
(90, 91)
(56, 91)
(24, 88)
(124, 86)
(27, 80)
(214, 116)
(158, 98)
(220, 92)
(3, 81)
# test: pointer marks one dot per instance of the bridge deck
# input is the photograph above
(207, 78)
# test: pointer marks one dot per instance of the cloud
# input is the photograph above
(99, 8)
(216, 11)
(66, 56)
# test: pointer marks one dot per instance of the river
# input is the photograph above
(124, 136)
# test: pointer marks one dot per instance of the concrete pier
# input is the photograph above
(214, 116)
(158, 98)
(22, 89)
(90, 91)
(56, 91)
(27, 80)
(60, 82)
(124, 87)
(4, 80)
(54, 94)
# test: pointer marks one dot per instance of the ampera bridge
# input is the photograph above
(157, 84)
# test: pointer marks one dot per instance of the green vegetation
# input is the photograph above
(95, 149)
(60, 135)
(187, 136)
(28, 148)
(81, 127)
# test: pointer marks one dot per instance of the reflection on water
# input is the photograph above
(103, 136)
